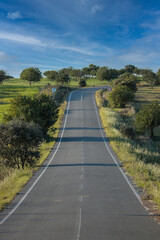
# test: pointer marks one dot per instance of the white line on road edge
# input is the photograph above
(29, 190)
(130, 185)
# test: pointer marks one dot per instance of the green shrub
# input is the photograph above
(19, 143)
(128, 132)
(82, 83)
(120, 96)
(42, 110)
(60, 94)
(128, 80)
(148, 117)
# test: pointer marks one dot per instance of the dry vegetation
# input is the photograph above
(140, 160)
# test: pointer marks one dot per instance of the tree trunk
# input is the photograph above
(152, 133)
(22, 164)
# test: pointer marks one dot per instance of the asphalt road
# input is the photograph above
(80, 192)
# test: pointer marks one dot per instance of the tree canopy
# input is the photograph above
(120, 96)
(19, 143)
(51, 75)
(128, 80)
(42, 110)
(3, 76)
(148, 118)
(31, 75)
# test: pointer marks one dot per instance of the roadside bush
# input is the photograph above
(120, 96)
(82, 83)
(19, 143)
(148, 118)
(59, 94)
(128, 132)
(128, 80)
(42, 110)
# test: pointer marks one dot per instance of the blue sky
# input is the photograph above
(52, 34)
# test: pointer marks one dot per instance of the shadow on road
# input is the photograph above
(84, 164)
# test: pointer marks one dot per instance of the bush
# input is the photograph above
(60, 93)
(19, 143)
(120, 96)
(82, 83)
(42, 110)
(127, 132)
(128, 80)
(148, 118)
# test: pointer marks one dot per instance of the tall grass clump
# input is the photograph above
(141, 161)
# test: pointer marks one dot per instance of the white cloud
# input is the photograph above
(96, 8)
(75, 49)
(135, 57)
(14, 15)
(21, 39)
(4, 57)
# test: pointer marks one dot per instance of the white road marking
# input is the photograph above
(79, 224)
(81, 187)
(29, 190)
(80, 198)
(120, 169)
(81, 176)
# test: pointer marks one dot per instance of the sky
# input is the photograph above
(53, 34)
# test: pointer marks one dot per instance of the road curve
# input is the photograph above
(80, 192)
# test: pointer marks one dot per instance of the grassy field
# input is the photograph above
(91, 82)
(14, 87)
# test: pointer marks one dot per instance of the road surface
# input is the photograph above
(80, 192)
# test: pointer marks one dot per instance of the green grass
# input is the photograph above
(140, 163)
(91, 82)
(12, 88)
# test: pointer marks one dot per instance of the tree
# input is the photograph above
(149, 76)
(31, 75)
(42, 110)
(103, 73)
(112, 73)
(51, 75)
(86, 71)
(19, 143)
(120, 96)
(77, 73)
(128, 80)
(148, 118)
(130, 68)
(158, 77)
(62, 79)
(3, 76)
(93, 69)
